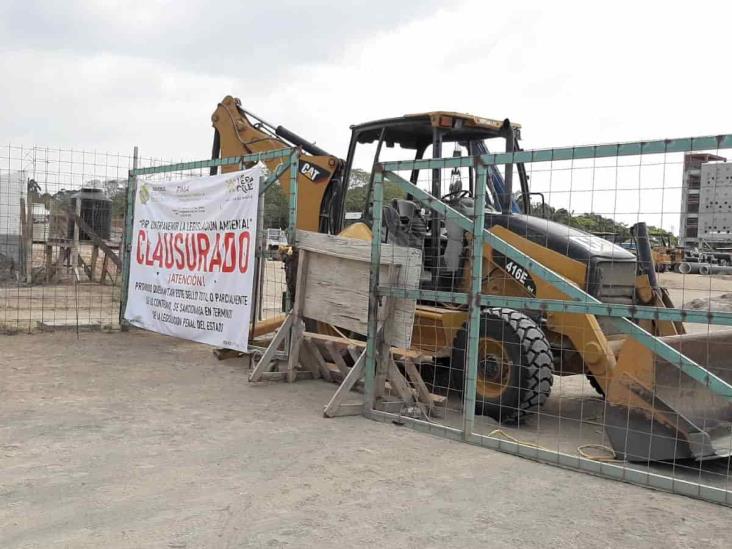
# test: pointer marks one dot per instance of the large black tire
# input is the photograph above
(529, 376)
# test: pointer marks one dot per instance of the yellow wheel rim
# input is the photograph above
(494, 369)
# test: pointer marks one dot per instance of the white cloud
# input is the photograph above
(150, 74)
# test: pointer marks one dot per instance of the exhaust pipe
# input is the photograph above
(645, 255)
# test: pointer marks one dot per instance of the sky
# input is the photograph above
(109, 75)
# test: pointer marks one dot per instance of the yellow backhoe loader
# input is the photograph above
(654, 411)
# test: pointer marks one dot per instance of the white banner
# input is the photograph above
(192, 259)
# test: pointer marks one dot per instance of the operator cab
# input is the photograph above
(467, 134)
(611, 269)
(407, 223)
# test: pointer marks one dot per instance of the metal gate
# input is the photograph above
(647, 404)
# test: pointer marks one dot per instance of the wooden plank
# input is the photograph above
(58, 264)
(338, 293)
(81, 263)
(105, 270)
(75, 255)
(313, 336)
(315, 352)
(50, 271)
(264, 362)
(93, 262)
(282, 376)
(335, 355)
(398, 383)
(351, 248)
(337, 246)
(23, 220)
(382, 366)
(348, 409)
(308, 360)
(415, 355)
(414, 376)
(298, 326)
(293, 360)
(23, 252)
(354, 351)
(28, 241)
(335, 374)
(389, 406)
(353, 376)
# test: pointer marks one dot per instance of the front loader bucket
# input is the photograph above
(656, 412)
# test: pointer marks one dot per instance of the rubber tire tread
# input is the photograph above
(536, 377)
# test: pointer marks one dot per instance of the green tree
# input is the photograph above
(116, 191)
(276, 213)
(594, 223)
(358, 189)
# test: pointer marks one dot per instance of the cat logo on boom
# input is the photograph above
(310, 171)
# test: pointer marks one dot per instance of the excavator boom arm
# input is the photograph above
(318, 179)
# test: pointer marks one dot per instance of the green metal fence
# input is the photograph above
(694, 478)
(571, 426)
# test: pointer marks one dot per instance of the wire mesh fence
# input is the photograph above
(53, 274)
(559, 315)
(62, 215)
(572, 305)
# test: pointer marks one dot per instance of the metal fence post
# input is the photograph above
(127, 239)
(371, 344)
(471, 366)
(292, 227)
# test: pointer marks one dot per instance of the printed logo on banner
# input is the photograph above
(243, 184)
(144, 193)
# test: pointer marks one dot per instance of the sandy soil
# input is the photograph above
(137, 440)
(684, 289)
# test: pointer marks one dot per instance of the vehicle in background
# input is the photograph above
(276, 238)
(667, 256)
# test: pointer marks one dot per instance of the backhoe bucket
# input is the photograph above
(656, 412)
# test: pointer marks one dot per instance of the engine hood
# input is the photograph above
(573, 243)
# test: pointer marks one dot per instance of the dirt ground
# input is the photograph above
(700, 292)
(137, 440)
(28, 309)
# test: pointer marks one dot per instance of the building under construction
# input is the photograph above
(706, 202)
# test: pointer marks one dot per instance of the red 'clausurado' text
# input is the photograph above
(209, 253)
